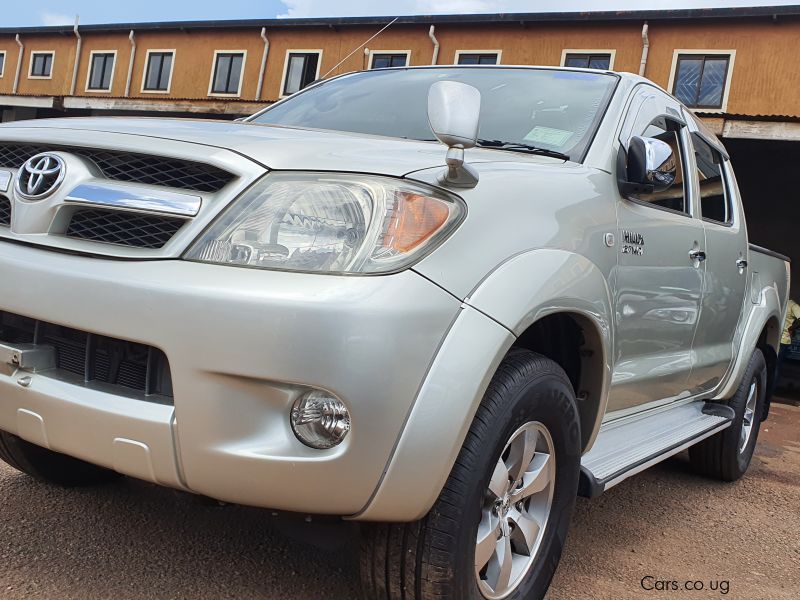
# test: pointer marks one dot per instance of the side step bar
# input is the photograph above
(627, 448)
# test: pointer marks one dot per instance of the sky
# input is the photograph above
(21, 13)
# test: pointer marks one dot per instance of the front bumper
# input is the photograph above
(242, 344)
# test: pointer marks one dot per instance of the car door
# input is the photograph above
(658, 280)
(716, 197)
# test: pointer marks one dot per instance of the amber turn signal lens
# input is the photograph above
(415, 219)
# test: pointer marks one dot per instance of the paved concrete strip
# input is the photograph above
(132, 540)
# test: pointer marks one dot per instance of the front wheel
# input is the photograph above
(500, 523)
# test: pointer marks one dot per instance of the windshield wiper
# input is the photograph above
(520, 147)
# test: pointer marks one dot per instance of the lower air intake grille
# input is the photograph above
(122, 228)
(5, 211)
(127, 368)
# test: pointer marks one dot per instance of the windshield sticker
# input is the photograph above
(548, 135)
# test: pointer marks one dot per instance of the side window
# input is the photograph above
(302, 69)
(158, 72)
(701, 80)
(587, 60)
(385, 60)
(478, 57)
(674, 197)
(227, 77)
(715, 201)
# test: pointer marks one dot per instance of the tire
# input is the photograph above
(48, 466)
(529, 397)
(726, 455)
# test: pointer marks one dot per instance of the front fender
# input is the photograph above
(538, 283)
(522, 290)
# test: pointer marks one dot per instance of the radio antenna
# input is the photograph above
(339, 64)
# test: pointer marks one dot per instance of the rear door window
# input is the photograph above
(715, 200)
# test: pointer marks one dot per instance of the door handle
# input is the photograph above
(697, 254)
(741, 263)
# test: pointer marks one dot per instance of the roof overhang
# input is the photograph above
(29, 101)
(692, 14)
(216, 107)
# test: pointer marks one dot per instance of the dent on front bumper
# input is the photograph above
(242, 344)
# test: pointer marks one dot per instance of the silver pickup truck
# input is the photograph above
(323, 310)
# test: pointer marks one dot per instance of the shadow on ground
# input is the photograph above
(134, 540)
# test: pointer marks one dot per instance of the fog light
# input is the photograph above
(320, 420)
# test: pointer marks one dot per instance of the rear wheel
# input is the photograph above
(51, 467)
(500, 523)
(727, 454)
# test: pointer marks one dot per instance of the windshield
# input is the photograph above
(552, 109)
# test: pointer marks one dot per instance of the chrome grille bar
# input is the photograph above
(130, 197)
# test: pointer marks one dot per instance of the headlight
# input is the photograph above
(330, 223)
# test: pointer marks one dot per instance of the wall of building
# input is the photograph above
(758, 86)
(765, 77)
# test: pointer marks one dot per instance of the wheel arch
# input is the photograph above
(552, 286)
(769, 343)
(575, 342)
(762, 329)
(537, 289)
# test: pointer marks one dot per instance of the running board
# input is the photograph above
(624, 449)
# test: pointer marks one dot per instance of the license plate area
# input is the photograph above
(27, 357)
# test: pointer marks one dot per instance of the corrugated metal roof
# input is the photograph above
(157, 100)
(762, 12)
(746, 117)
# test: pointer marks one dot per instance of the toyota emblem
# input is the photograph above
(40, 176)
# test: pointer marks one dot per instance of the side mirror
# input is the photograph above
(454, 116)
(651, 166)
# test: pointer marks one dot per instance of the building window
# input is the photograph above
(469, 57)
(101, 71)
(385, 60)
(158, 73)
(42, 64)
(701, 80)
(2, 63)
(600, 60)
(302, 69)
(227, 78)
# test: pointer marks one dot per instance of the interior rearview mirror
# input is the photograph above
(651, 166)
(454, 116)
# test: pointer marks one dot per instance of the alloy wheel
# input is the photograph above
(516, 510)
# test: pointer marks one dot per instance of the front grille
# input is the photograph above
(130, 166)
(5, 211)
(128, 368)
(122, 228)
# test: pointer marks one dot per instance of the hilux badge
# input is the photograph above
(40, 176)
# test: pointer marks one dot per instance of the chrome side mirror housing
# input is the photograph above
(651, 163)
(454, 117)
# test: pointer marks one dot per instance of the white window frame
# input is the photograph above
(499, 54)
(372, 54)
(286, 66)
(52, 53)
(89, 72)
(147, 66)
(3, 67)
(609, 51)
(725, 91)
(214, 73)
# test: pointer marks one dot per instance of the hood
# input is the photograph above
(280, 148)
